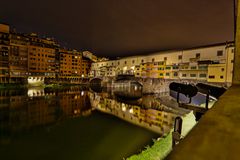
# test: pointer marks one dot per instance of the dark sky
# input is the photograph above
(124, 27)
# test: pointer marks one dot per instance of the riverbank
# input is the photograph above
(52, 86)
(159, 150)
(163, 146)
(12, 86)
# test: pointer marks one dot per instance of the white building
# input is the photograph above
(194, 64)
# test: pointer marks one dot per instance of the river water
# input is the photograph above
(76, 123)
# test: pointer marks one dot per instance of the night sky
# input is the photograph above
(123, 27)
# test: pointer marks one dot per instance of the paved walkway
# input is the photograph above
(217, 135)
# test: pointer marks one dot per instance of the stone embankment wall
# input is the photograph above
(154, 85)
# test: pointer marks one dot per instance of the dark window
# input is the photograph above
(133, 61)
(125, 62)
(202, 75)
(220, 53)
(198, 55)
(142, 61)
(203, 67)
(167, 74)
(175, 67)
(222, 69)
(184, 75)
(165, 58)
(211, 77)
(153, 60)
(180, 57)
(175, 74)
(192, 75)
(221, 77)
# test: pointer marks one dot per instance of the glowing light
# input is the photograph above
(131, 110)
(75, 111)
(123, 108)
(135, 88)
(35, 81)
(82, 93)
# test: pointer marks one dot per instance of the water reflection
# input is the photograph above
(146, 112)
(23, 110)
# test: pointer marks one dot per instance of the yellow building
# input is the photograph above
(152, 69)
(137, 71)
(216, 73)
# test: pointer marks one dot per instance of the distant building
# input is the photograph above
(198, 63)
(86, 66)
(28, 58)
(18, 58)
(90, 55)
(70, 64)
(4, 53)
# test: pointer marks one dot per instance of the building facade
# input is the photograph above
(18, 58)
(198, 63)
(27, 58)
(4, 53)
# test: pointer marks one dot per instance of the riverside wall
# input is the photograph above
(156, 85)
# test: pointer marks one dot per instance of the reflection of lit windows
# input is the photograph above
(123, 108)
(82, 93)
(131, 110)
(135, 88)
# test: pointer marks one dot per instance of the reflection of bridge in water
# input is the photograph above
(159, 120)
